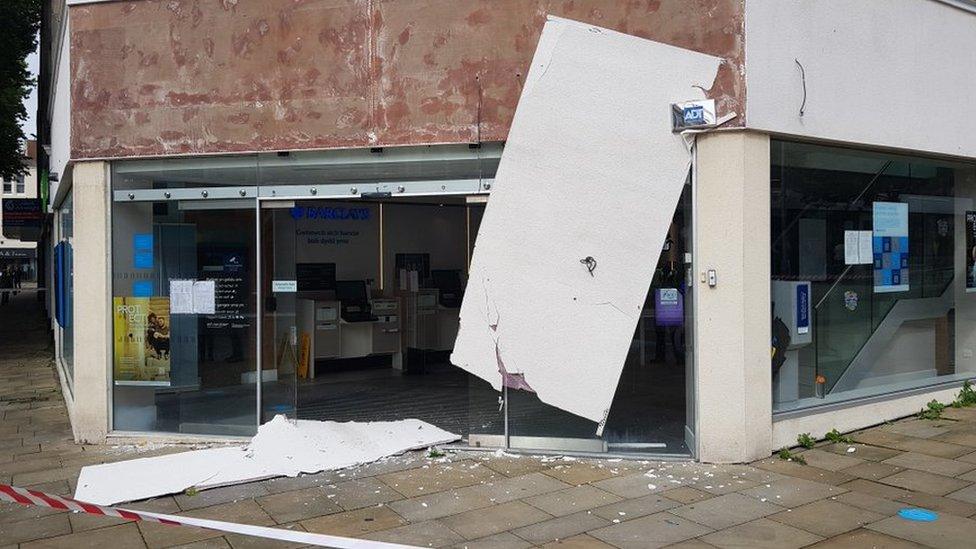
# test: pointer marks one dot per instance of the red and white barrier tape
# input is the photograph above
(24, 496)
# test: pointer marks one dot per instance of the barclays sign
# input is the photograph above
(325, 212)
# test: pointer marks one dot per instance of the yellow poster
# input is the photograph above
(141, 336)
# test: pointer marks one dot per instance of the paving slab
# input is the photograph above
(761, 534)
(514, 466)
(871, 503)
(725, 511)
(562, 527)
(430, 533)
(360, 492)
(964, 438)
(793, 492)
(35, 528)
(571, 500)
(237, 541)
(213, 543)
(216, 496)
(438, 478)
(504, 540)
(960, 414)
(876, 489)
(692, 544)
(939, 503)
(124, 535)
(949, 532)
(919, 429)
(967, 494)
(827, 517)
(922, 481)
(355, 523)
(528, 485)
(299, 504)
(441, 504)
(578, 542)
(81, 522)
(926, 446)
(493, 520)
(577, 473)
(243, 512)
(686, 494)
(631, 486)
(873, 470)
(830, 461)
(931, 464)
(861, 539)
(657, 530)
(807, 472)
(632, 508)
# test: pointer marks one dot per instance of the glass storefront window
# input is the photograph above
(184, 315)
(64, 285)
(336, 296)
(872, 284)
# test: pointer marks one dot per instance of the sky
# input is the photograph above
(30, 124)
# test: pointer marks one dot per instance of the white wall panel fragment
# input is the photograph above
(893, 73)
(591, 168)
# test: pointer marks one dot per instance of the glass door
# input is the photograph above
(361, 310)
(652, 409)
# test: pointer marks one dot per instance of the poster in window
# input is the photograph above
(970, 251)
(890, 246)
(141, 336)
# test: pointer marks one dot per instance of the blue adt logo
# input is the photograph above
(355, 214)
(694, 115)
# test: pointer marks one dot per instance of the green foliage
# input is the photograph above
(434, 452)
(192, 491)
(835, 436)
(787, 455)
(805, 440)
(932, 410)
(19, 24)
(966, 397)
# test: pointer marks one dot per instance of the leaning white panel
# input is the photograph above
(590, 169)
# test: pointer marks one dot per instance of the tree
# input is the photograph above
(20, 21)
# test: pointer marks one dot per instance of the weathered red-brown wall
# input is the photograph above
(158, 77)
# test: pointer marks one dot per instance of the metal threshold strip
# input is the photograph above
(631, 456)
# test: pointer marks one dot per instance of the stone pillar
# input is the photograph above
(92, 301)
(732, 218)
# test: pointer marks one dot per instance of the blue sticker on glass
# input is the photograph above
(142, 251)
(918, 515)
(142, 288)
(802, 308)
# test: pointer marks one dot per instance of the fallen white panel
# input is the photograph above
(591, 169)
(281, 448)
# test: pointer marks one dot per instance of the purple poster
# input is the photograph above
(669, 307)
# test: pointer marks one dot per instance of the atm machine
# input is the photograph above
(791, 305)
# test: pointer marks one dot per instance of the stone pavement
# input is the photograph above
(840, 498)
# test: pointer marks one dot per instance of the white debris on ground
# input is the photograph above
(281, 448)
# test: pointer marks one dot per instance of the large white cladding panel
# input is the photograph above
(590, 169)
(893, 73)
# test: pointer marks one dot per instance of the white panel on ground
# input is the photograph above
(591, 169)
(281, 448)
